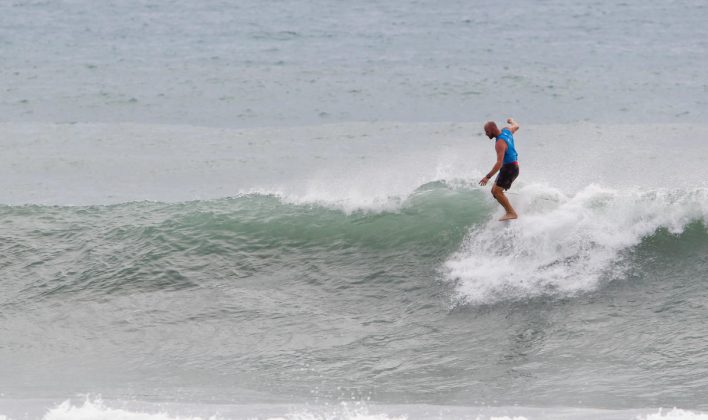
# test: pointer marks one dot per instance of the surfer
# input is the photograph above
(506, 164)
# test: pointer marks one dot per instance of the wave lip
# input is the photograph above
(563, 245)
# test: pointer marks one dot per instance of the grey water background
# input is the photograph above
(265, 63)
(276, 202)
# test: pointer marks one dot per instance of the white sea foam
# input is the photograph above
(97, 410)
(674, 414)
(564, 244)
(357, 410)
(505, 418)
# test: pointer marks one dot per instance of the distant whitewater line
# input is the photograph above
(98, 409)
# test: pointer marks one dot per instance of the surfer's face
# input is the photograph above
(491, 130)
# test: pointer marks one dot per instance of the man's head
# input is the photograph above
(491, 129)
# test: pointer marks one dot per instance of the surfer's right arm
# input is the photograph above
(500, 147)
(513, 125)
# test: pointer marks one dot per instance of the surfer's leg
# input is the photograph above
(499, 195)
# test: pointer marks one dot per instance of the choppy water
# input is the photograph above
(271, 210)
(264, 63)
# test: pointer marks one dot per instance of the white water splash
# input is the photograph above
(675, 414)
(564, 244)
(97, 410)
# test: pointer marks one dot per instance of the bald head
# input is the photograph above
(491, 129)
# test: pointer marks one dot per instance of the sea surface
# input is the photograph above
(271, 210)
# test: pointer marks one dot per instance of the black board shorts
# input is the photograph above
(507, 175)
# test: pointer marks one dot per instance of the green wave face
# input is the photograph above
(151, 246)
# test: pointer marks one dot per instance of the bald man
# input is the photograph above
(507, 164)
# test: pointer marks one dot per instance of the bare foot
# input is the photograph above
(508, 216)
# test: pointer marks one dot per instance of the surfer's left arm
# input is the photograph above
(500, 147)
(513, 125)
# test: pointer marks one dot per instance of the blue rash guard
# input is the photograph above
(510, 156)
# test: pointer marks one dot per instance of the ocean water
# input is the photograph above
(239, 210)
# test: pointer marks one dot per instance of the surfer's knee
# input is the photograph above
(496, 191)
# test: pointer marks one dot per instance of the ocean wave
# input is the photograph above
(560, 246)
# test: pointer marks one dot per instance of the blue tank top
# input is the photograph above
(510, 156)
